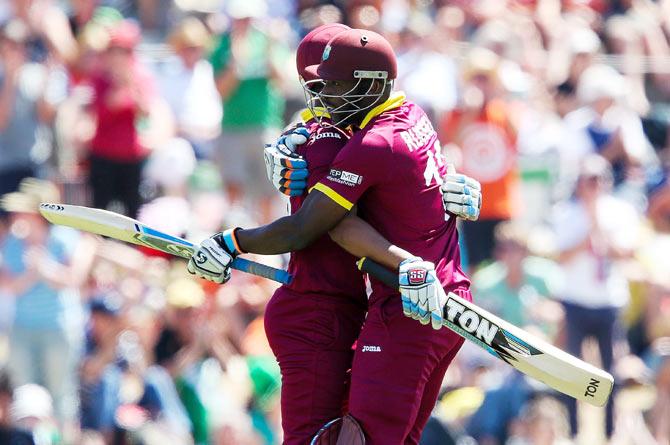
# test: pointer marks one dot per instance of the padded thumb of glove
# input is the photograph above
(298, 137)
(451, 170)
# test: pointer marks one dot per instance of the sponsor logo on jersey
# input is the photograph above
(345, 177)
(327, 134)
(367, 348)
(470, 321)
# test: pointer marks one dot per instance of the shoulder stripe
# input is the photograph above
(396, 100)
(307, 115)
(332, 194)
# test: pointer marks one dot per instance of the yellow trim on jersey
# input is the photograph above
(332, 194)
(307, 115)
(396, 100)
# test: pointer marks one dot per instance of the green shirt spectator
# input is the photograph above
(519, 287)
(494, 292)
(255, 101)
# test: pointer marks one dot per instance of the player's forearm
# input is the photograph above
(281, 236)
(361, 240)
(316, 217)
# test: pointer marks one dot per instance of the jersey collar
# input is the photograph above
(397, 99)
(307, 115)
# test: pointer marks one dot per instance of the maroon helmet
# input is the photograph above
(312, 45)
(356, 54)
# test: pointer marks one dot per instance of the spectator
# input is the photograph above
(482, 139)
(544, 422)
(660, 412)
(489, 425)
(32, 410)
(519, 287)
(605, 126)
(122, 98)
(29, 94)
(245, 65)
(43, 268)
(10, 434)
(179, 352)
(187, 84)
(594, 231)
(100, 371)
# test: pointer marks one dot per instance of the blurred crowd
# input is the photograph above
(159, 109)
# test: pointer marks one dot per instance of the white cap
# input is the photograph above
(172, 164)
(241, 9)
(31, 401)
(584, 40)
(600, 82)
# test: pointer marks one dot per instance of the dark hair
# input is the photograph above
(167, 346)
(6, 385)
(565, 89)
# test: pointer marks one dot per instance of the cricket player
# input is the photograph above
(392, 167)
(313, 322)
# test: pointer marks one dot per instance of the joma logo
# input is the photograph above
(327, 134)
(471, 322)
(367, 348)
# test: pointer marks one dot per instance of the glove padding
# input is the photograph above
(423, 297)
(214, 257)
(461, 195)
(287, 170)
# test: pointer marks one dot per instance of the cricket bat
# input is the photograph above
(123, 228)
(527, 353)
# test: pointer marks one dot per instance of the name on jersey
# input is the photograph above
(327, 134)
(418, 135)
(345, 177)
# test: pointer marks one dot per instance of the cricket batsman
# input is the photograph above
(392, 168)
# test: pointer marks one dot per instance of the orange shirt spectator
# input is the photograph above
(487, 146)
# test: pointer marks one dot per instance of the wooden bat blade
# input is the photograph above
(123, 228)
(522, 350)
(113, 225)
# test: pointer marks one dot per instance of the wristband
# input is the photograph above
(229, 240)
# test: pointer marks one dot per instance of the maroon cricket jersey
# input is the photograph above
(392, 168)
(323, 268)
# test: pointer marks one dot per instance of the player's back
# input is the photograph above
(323, 268)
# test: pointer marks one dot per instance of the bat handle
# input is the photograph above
(262, 270)
(379, 272)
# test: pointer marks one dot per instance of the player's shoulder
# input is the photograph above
(373, 140)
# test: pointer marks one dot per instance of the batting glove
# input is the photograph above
(423, 297)
(461, 195)
(213, 259)
(287, 170)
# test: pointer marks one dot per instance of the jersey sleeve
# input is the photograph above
(360, 165)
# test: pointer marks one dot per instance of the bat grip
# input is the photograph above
(262, 270)
(379, 272)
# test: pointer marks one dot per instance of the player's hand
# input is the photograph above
(423, 297)
(461, 195)
(214, 257)
(287, 170)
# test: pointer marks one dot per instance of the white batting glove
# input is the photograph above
(461, 195)
(423, 297)
(285, 169)
(214, 257)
